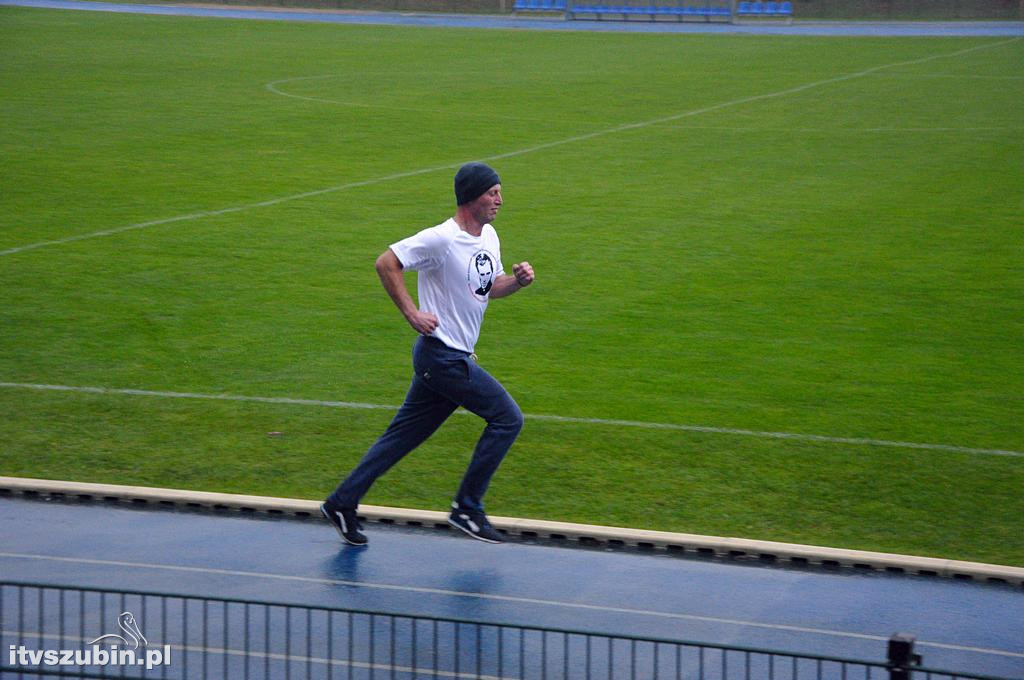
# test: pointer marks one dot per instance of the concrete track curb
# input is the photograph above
(583, 534)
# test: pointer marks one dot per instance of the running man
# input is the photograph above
(459, 270)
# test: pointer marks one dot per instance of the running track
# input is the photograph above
(953, 28)
(960, 625)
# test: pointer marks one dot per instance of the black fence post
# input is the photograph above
(902, 659)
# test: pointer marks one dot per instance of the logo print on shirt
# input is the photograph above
(481, 274)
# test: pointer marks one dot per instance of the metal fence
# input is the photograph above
(50, 630)
(909, 9)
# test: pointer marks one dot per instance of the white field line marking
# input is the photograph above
(857, 441)
(493, 597)
(509, 154)
(851, 131)
(970, 76)
(226, 211)
(272, 87)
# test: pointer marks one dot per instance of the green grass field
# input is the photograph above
(772, 234)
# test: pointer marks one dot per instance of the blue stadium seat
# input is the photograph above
(770, 8)
(539, 6)
(648, 11)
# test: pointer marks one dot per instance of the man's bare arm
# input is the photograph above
(391, 274)
(505, 285)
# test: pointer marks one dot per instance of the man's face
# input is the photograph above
(484, 268)
(485, 208)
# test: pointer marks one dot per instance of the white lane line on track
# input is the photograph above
(856, 441)
(273, 656)
(496, 598)
(510, 154)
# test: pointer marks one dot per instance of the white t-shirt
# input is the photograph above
(455, 273)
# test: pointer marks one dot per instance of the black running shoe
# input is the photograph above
(474, 523)
(345, 521)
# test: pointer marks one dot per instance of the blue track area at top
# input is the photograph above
(965, 626)
(891, 29)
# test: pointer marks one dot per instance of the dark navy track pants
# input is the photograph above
(444, 379)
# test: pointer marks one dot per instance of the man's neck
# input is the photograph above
(467, 223)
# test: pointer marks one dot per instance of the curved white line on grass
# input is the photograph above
(272, 87)
(509, 154)
(497, 598)
(796, 436)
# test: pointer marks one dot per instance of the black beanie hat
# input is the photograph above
(473, 180)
